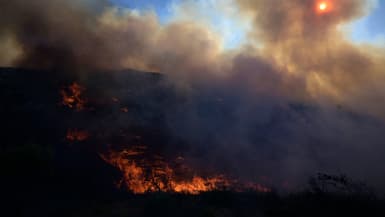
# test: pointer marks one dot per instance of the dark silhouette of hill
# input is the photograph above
(44, 174)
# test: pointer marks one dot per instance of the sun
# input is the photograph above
(323, 6)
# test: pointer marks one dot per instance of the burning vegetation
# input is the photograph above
(72, 97)
(143, 174)
(74, 135)
(146, 171)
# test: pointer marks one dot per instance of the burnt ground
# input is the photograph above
(219, 204)
(43, 174)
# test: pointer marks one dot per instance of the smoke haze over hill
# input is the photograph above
(296, 98)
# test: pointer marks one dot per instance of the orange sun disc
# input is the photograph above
(323, 6)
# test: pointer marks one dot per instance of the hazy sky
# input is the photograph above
(223, 19)
(367, 29)
(371, 28)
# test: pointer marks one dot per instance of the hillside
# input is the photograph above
(67, 141)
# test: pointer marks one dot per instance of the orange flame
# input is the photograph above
(77, 135)
(142, 176)
(199, 184)
(72, 97)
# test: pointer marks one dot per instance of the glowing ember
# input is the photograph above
(77, 135)
(72, 97)
(143, 176)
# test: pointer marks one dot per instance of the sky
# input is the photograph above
(368, 29)
(222, 19)
(371, 28)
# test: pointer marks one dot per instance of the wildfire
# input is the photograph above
(77, 135)
(143, 176)
(72, 97)
(199, 184)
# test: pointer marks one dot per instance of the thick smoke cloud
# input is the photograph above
(91, 35)
(279, 21)
(311, 44)
(53, 34)
(305, 100)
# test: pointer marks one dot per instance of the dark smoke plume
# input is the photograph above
(307, 99)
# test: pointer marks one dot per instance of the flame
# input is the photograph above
(199, 184)
(77, 135)
(72, 97)
(143, 176)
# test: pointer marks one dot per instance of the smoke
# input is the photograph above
(312, 44)
(297, 40)
(304, 99)
(92, 35)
